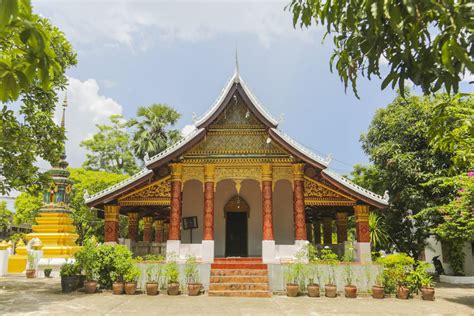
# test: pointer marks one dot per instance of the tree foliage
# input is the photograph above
(153, 133)
(26, 208)
(110, 149)
(34, 56)
(428, 42)
(405, 164)
(5, 215)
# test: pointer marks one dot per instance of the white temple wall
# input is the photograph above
(193, 205)
(283, 222)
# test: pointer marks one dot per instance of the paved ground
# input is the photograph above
(42, 296)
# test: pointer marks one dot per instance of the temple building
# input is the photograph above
(251, 190)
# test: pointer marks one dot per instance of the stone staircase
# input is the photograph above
(247, 277)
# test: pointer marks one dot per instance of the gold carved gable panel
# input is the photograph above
(316, 193)
(237, 115)
(156, 193)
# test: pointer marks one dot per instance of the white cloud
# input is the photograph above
(135, 24)
(86, 108)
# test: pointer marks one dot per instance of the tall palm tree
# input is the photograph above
(153, 132)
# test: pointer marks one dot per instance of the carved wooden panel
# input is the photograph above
(317, 193)
(156, 193)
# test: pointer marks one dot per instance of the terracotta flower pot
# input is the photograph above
(30, 273)
(330, 290)
(403, 293)
(313, 290)
(173, 288)
(378, 292)
(350, 291)
(427, 293)
(292, 290)
(194, 289)
(90, 287)
(130, 288)
(152, 288)
(117, 288)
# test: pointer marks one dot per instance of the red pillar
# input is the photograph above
(362, 223)
(147, 228)
(133, 226)
(298, 202)
(267, 207)
(111, 225)
(175, 212)
(208, 232)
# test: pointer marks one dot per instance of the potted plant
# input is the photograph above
(292, 276)
(153, 273)
(69, 277)
(130, 279)
(31, 267)
(378, 290)
(87, 259)
(350, 290)
(171, 271)
(330, 288)
(400, 273)
(427, 289)
(312, 273)
(192, 276)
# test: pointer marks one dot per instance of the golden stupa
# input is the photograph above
(54, 225)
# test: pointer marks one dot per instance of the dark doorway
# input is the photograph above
(236, 234)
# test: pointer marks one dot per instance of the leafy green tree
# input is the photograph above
(153, 133)
(110, 148)
(26, 208)
(34, 56)
(86, 220)
(428, 42)
(399, 147)
(368, 177)
(5, 216)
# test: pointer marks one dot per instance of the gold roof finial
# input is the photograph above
(237, 70)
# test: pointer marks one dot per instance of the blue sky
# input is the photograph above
(134, 53)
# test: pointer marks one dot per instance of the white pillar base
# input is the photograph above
(172, 249)
(4, 261)
(268, 251)
(364, 254)
(208, 251)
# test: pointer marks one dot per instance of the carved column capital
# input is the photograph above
(111, 212)
(341, 225)
(209, 173)
(298, 171)
(176, 172)
(267, 172)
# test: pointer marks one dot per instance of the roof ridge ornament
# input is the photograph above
(237, 68)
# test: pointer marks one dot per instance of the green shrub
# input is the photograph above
(153, 273)
(397, 267)
(153, 257)
(132, 274)
(171, 271)
(70, 269)
(419, 277)
(87, 258)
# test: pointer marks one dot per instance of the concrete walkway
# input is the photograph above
(42, 297)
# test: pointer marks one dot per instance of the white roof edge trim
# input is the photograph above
(175, 146)
(140, 174)
(302, 149)
(346, 182)
(235, 79)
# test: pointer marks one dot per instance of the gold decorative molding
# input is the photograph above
(236, 204)
(156, 193)
(238, 173)
(111, 212)
(320, 194)
(282, 173)
(252, 161)
(193, 173)
(361, 213)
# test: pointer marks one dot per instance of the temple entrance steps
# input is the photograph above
(247, 277)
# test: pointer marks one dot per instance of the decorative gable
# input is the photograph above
(156, 193)
(316, 193)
